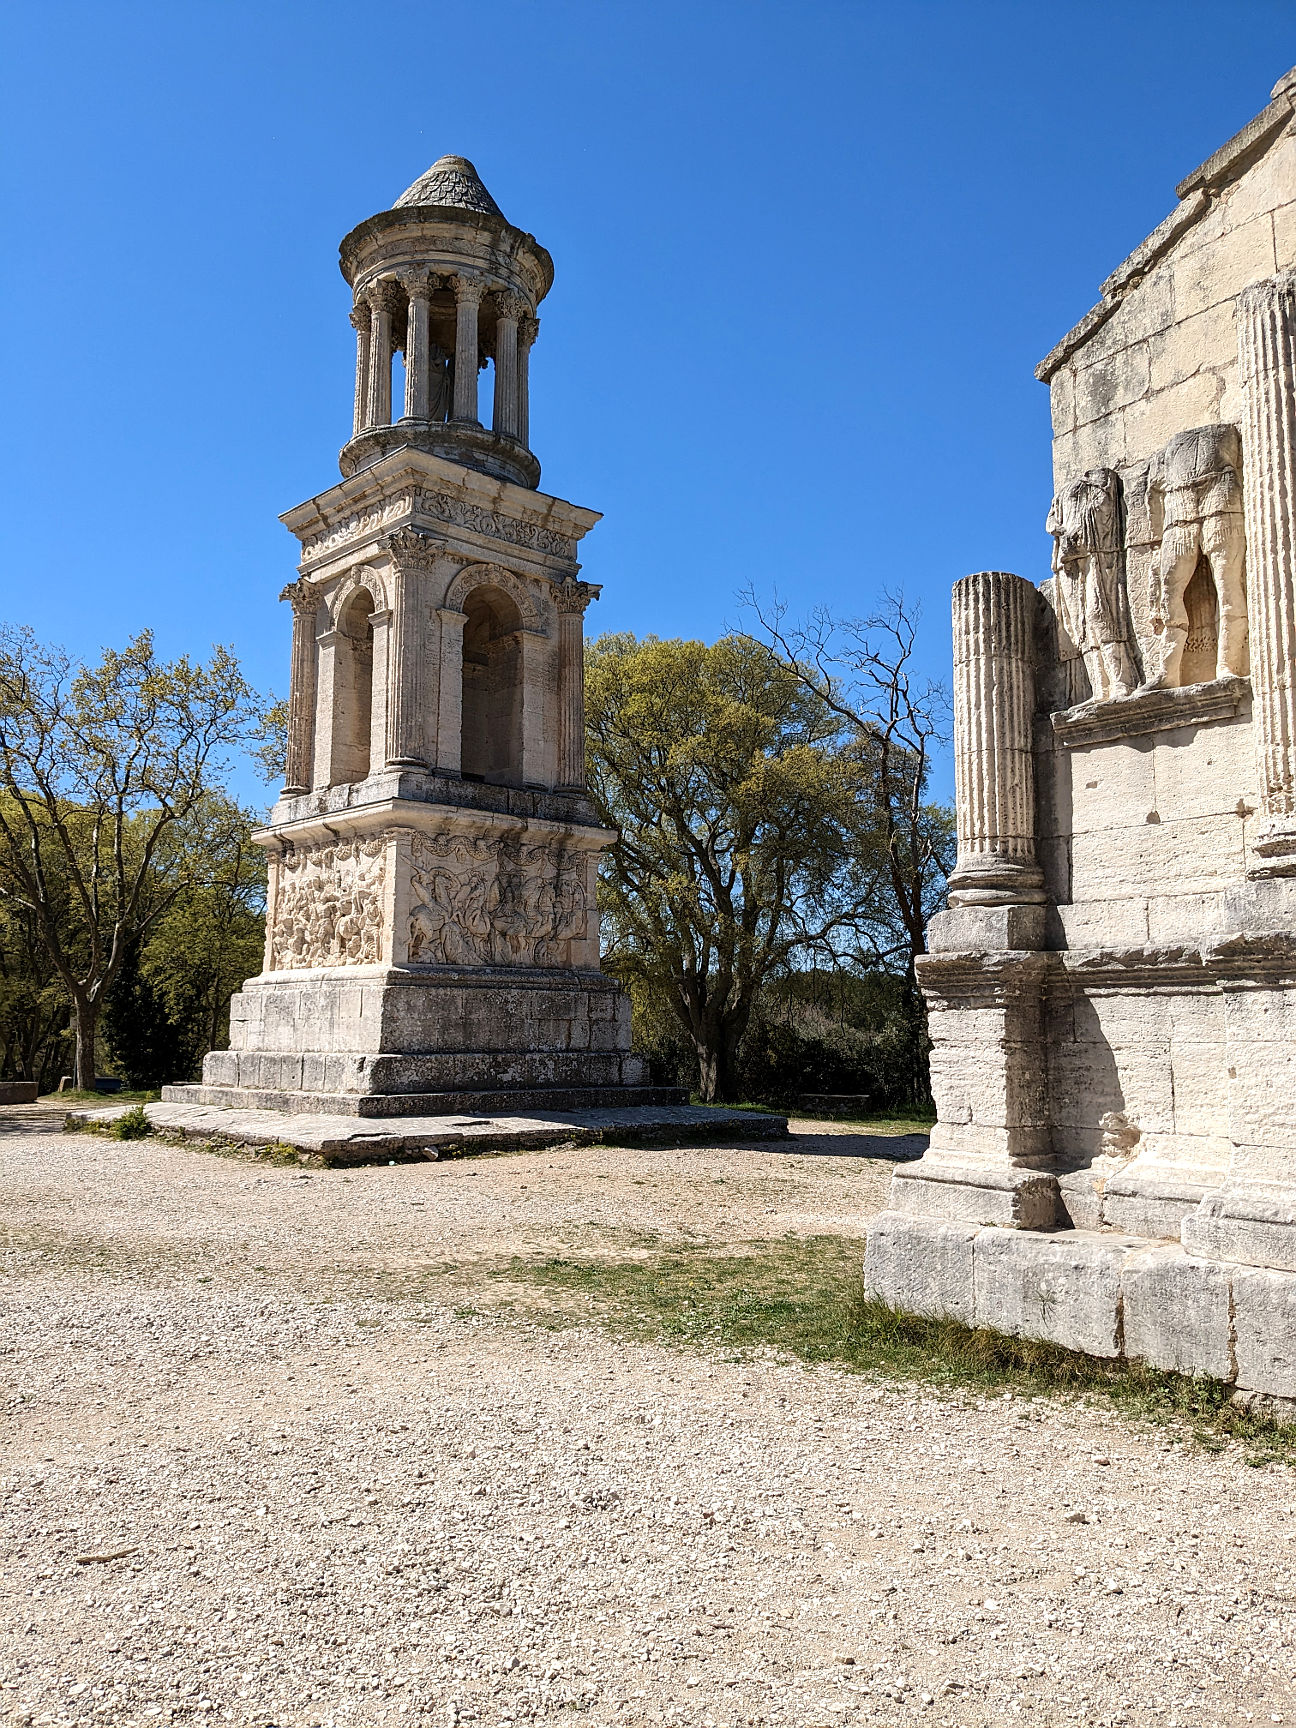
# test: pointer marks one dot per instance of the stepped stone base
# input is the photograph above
(512, 1100)
(1099, 1291)
(348, 1140)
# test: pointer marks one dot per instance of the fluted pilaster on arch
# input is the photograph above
(413, 554)
(1267, 364)
(994, 706)
(570, 600)
(299, 757)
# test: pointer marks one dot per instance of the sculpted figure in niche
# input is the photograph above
(1195, 504)
(1086, 523)
(440, 384)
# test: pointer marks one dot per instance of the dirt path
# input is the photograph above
(354, 1489)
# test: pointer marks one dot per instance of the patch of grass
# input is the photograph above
(805, 1298)
(132, 1124)
(80, 1096)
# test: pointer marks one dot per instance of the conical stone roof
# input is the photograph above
(453, 184)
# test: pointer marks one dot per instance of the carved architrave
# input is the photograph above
(483, 902)
(328, 906)
(441, 507)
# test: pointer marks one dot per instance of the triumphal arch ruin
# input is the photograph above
(1112, 992)
(431, 933)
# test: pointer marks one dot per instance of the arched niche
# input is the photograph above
(522, 594)
(353, 674)
(491, 738)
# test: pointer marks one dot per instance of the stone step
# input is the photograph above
(466, 1102)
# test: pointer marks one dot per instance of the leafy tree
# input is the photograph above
(744, 829)
(150, 1046)
(106, 813)
(35, 1014)
(863, 672)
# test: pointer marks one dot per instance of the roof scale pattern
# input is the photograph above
(451, 183)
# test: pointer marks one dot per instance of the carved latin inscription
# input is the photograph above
(328, 906)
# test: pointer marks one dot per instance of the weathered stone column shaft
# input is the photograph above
(509, 311)
(1267, 365)
(418, 380)
(528, 330)
(360, 323)
(380, 356)
(299, 755)
(467, 302)
(994, 705)
(571, 599)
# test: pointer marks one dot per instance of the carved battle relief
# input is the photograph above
(1197, 583)
(1086, 520)
(480, 902)
(440, 507)
(328, 906)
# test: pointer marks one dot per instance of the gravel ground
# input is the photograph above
(272, 1459)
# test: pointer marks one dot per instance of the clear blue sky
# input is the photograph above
(807, 257)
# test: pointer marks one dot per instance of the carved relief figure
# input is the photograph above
(1195, 503)
(328, 906)
(478, 902)
(1086, 522)
(454, 895)
(440, 383)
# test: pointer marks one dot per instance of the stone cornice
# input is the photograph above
(1149, 710)
(411, 485)
(1196, 195)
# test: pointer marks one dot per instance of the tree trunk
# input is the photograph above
(86, 1019)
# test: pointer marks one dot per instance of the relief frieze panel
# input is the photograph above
(439, 507)
(328, 907)
(481, 902)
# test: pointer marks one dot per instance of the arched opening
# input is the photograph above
(492, 688)
(353, 689)
(1201, 648)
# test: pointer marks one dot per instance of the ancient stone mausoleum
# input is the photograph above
(1112, 992)
(431, 935)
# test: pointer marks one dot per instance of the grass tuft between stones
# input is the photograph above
(804, 1298)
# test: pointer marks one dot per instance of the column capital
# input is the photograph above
(360, 316)
(511, 306)
(470, 288)
(571, 596)
(528, 328)
(303, 594)
(1260, 296)
(418, 287)
(412, 549)
(383, 295)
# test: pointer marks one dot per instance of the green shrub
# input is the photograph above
(133, 1124)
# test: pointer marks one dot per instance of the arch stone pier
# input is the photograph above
(432, 938)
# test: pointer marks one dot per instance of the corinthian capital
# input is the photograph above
(573, 596)
(304, 596)
(412, 549)
(360, 316)
(469, 288)
(383, 296)
(528, 328)
(510, 306)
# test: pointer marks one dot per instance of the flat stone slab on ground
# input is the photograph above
(376, 1140)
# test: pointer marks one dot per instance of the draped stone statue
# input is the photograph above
(1195, 504)
(1086, 522)
(440, 384)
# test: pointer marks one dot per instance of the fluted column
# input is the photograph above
(1266, 318)
(571, 598)
(467, 302)
(528, 330)
(300, 753)
(418, 377)
(994, 706)
(509, 310)
(412, 555)
(360, 323)
(382, 303)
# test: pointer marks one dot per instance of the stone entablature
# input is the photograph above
(1112, 994)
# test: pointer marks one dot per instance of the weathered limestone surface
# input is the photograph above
(1111, 994)
(431, 930)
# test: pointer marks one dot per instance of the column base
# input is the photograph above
(1274, 850)
(991, 880)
